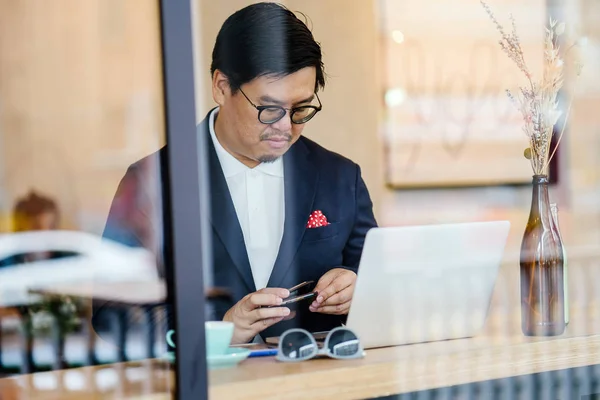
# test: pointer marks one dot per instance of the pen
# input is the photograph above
(263, 353)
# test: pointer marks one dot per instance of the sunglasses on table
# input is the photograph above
(300, 345)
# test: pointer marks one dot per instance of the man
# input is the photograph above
(284, 209)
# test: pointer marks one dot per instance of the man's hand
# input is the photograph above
(250, 315)
(335, 290)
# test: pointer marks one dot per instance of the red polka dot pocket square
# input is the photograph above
(316, 220)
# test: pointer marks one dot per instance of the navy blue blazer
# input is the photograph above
(315, 179)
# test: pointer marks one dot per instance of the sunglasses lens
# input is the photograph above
(343, 343)
(297, 345)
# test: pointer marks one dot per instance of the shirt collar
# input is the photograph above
(274, 168)
(232, 166)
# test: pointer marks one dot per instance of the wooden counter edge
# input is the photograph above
(394, 377)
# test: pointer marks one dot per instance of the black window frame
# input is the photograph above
(188, 192)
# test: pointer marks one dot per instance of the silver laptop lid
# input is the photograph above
(426, 283)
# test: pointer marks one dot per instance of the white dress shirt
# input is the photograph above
(258, 197)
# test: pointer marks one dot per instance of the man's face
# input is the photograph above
(238, 127)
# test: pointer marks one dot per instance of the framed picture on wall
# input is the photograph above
(448, 121)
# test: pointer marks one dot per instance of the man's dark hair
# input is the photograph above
(265, 39)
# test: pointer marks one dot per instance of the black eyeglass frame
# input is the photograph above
(285, 110)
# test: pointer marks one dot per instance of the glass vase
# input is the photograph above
(554, 210)
(542, 284)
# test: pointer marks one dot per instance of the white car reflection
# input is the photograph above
(96, 260)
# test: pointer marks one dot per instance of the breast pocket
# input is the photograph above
(321, 233)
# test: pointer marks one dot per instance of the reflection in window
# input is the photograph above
(80, 101)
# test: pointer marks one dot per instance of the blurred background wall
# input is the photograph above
(80, 100)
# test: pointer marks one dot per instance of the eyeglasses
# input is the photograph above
(298, 115)
(300, 345)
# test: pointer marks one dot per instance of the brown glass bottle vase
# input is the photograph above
(542, 286)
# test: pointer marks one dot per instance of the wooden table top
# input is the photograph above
(382, 372)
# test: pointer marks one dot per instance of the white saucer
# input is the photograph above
(233, 357)
(228, 360)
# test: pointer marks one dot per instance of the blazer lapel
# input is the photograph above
(300, 182)
(223, 216)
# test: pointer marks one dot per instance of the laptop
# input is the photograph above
(426, 283)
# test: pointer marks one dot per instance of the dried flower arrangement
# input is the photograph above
(538, 101)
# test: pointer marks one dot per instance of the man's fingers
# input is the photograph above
(267, 313)
(262, 299)
(337, 285)
(341, 297)
(257, 311)
(263, 324)
(339, 309)
(324, 282)
(326, 293)
(280, 292)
